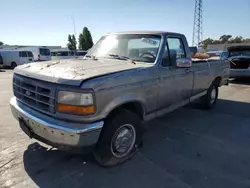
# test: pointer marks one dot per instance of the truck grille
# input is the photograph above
(39, 95)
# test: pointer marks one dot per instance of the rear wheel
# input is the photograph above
(119, 139)
(210, 99)
(13, 65)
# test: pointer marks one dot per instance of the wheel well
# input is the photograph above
(135, 107)
(217, 81)
(13, 62)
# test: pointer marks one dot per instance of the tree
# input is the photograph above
(1, 43)
(72, 42)
(238, 39)
(85, 39)
(216, 42)
(206, 42)
(225, 38)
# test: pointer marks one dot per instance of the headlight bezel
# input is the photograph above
(76, 91)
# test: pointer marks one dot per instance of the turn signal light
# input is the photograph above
(66, 108)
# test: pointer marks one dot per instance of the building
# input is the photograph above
(223, 47)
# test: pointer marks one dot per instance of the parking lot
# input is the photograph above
(190, 147)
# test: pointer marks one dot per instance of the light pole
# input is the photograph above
(74, 25)
(74, 29)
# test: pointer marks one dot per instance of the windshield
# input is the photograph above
(137, 47)
(44, 51)
(240, 53)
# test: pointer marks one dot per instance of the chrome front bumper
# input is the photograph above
(234, 73)
(56, 132)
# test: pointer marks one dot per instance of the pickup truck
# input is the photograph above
(102, 100)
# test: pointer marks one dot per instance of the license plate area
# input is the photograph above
(25, 127)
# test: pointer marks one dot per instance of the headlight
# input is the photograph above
(80, 99)
(75, 103)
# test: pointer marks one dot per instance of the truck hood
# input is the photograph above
(238, 48)
(240, 52)
(74, 71)
(239, 58)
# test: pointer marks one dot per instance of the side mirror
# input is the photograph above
(183, 63)
(224, 55)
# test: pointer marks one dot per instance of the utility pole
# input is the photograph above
(74, 25)
(74, 30)
(197, 27)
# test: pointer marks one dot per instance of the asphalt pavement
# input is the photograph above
(188, 148)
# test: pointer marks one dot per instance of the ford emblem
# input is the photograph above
(28, 93)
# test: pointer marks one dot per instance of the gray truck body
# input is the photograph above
(149, 90)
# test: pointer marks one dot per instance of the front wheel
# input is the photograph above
(209, 100)
(13, 65)
(119, 139)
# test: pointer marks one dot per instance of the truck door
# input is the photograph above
(176, 83)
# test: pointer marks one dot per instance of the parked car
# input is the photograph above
(13, 58)
(41, 53)
(239, 56)
(125, 79)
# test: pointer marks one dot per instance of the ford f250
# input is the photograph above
(102, 100)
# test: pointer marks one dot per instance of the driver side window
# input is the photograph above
(176, 45)
(174, 50)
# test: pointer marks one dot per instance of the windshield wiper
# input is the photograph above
(120, 57)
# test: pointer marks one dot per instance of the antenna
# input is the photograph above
(197, 27)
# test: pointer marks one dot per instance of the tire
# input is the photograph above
(122, 123)
(13, 65)
(210, 99)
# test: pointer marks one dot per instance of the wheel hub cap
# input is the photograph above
(213, 96)
(123, 140)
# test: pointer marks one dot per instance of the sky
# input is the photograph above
(48, 22)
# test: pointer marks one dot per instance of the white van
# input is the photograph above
(57, 54)
(13, 58)
(40, 53)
